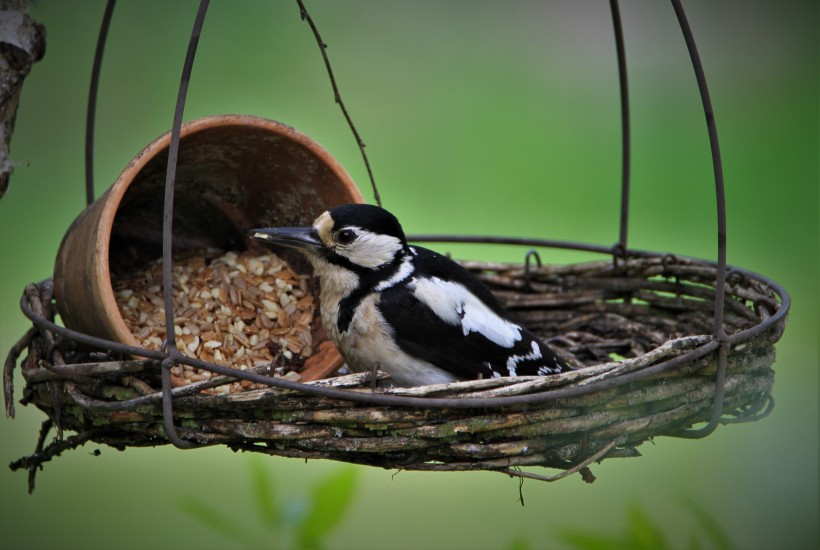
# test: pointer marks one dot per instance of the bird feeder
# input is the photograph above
(233, 173)
(662, 343)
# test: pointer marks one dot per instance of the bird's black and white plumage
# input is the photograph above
(422, 317)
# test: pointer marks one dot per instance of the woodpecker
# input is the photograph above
(414, 313)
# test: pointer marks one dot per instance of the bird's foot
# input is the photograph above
(374, 377)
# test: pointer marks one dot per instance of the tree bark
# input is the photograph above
(22, 43)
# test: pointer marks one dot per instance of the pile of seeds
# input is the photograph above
(237, 310)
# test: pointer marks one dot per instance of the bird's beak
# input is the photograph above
(301, 238)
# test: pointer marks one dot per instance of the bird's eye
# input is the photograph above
(345, 236)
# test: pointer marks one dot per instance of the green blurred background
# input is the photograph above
(480, 117)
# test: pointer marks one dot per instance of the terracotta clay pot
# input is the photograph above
(233, 173)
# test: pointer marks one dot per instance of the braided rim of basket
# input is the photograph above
(654, 312)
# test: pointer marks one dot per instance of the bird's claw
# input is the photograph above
(374, 369)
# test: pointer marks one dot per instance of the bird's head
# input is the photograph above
(358, 237)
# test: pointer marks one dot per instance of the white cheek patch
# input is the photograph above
(455, 305)
(370, 249)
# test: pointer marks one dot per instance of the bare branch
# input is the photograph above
(337, 96)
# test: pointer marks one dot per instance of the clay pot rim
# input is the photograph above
(149, 152)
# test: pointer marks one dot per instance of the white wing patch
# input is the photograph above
(549, 370)
(512, 362)
(455, 305)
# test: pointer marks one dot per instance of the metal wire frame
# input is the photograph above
(91, 112)
(626, 141)
(720, 343)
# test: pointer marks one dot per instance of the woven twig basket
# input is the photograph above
(653, 312)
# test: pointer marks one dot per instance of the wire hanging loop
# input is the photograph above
(337, 96)
(91, 112)
(626, 144)
(168, 407)
(167, 226)
(720, 283)
(717, 164)
(717, 407)
(532, 253)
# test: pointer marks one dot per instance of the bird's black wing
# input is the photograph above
(448, 318)
(421, 333)
(433, 264)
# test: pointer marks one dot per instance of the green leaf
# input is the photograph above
(710, 525)
(643, 532)
(330, 501)
(217, 521)
(264, 494)
(694, 542)
(581, 540)
(521, 542)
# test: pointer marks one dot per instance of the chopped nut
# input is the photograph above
(228, 311)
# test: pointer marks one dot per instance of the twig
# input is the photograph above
(338, 97)
(48, 371)
(155, 397)
(39, 297)
(8, 369)
(578, 467)
(685, 343)
(138, 385)
(45, 427)
(42, 455)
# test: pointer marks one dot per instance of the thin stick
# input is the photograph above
(45, 427)
(48, 372)
(8, 369)
(578, 467)
(42, 455)
(338, 97)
